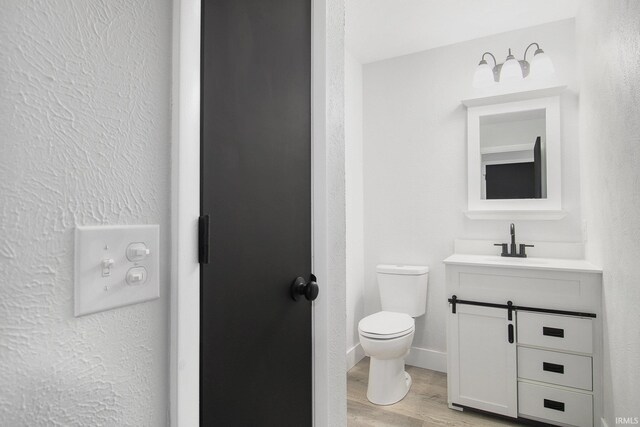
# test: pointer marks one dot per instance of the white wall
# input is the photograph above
(354, 204)
(609, 47)
(415, 161)
(85, 119)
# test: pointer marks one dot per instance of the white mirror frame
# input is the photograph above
(549, 208)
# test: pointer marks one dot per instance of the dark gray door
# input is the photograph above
(510, 181)
(256, 359)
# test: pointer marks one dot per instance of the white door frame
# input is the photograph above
(185, 210)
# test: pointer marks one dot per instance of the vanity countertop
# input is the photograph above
(554, 264)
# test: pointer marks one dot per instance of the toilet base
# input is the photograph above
(389, 383)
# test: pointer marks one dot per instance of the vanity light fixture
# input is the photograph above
(513, 70)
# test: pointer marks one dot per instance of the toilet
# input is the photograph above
(386, 336)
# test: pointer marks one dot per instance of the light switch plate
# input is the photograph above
(101, 267)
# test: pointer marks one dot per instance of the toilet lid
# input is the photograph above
(385, 323)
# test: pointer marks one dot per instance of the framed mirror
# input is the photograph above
(514, 159)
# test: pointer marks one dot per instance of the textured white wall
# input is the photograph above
(85, 119)
(354, 196)
(415, 162)
(609, 52)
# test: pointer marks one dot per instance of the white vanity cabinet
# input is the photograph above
(524, 338)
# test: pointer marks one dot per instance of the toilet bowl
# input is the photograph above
(386, 338)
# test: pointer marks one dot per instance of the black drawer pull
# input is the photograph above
(553, 332)
(510, 332)
(553, 404)
(552, 367)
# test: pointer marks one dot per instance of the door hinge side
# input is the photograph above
(203, 239)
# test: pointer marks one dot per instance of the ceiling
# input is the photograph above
(380, 29)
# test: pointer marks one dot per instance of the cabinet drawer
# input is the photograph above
(553, 404)
(552, 367)
(554, 331)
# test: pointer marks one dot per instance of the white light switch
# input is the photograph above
(137, 251)
(115, 266)
(136, 276)
(107, 263)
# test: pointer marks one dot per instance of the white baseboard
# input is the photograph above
(354, 355)
(427, 359)
(419, 357)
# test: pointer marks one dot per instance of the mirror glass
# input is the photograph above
(513, 155)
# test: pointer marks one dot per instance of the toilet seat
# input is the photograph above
(386, 325)
(386, 337)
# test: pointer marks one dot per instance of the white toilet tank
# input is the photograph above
(403, 288)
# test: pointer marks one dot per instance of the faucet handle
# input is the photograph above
(505, 248)
(523, 249)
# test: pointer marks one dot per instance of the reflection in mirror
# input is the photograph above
(513, 155)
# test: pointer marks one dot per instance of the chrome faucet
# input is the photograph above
(512, 253)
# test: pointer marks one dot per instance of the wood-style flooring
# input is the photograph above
(425, 404)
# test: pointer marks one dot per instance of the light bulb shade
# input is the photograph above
(511, 71)
(483, 77)
(541, 66)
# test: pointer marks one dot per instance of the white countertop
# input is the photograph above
(554, 264)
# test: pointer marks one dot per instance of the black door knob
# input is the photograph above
(301, 287)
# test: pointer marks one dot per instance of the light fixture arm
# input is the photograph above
(490, 54)
(525, 51)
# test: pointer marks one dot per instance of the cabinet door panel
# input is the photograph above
(483, 361)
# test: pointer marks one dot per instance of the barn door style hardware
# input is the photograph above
(512, 307)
